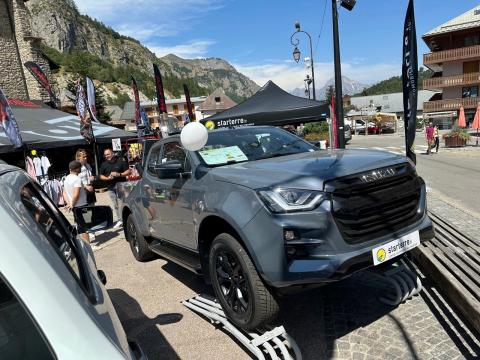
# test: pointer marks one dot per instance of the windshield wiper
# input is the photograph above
(272, 155)
(230, 162)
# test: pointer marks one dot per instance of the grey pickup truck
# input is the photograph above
(259, 212)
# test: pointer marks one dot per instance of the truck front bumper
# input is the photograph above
(327, 258)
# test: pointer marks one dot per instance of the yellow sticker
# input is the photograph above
(381, 255)
(210, 125)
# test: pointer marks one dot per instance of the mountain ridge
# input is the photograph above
(104, 53)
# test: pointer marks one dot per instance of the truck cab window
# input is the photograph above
(173, 151)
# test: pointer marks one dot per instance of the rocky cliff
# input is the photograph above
(64, 29)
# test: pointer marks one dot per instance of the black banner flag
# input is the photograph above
(162, 106)
(42, 79)
(191, 110)
(410, 80)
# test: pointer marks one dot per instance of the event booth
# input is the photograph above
(270, 106)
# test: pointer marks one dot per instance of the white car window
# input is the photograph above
(19, 335)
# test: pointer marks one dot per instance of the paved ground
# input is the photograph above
(340, 321)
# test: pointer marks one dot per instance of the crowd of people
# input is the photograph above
(78, 190)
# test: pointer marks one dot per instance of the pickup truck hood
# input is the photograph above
(308, 170)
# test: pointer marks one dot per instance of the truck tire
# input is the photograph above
(245, 299)
(137, 242)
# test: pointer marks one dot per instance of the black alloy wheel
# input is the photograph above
(232, 281)
(137, 242)
(247, 302)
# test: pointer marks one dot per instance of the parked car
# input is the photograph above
(360, 127)
(348, 133)
(53, 304)
(260, 212)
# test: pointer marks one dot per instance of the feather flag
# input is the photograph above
(162, 106)
(91, 98)
(8, 123)
(42, 79)
(138, 114)
(86, 129)
(410, 80)
(191, 111)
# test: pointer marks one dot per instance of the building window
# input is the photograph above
(472, 40)
(185, 107)
(217, 99)
(470, 91)
(175, 109)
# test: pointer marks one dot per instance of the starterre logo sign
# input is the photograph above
(378, 175)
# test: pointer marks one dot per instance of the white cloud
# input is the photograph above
(193, 49)
(144, 19)
(289, 75)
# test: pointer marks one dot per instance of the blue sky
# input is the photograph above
(254, 36)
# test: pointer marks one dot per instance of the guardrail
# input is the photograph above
(452, 55)
(450, 104)
(452, 261)
(447, 81)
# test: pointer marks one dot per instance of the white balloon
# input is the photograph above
(194, 136)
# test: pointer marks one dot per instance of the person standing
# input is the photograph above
(73, 191)
(86, 175)
(430, 138)
(436, 138)
(112, 171)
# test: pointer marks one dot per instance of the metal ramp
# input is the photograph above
(265, 343)
(403, 282)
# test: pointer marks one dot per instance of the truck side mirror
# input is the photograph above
(169, 169)
(93, 218)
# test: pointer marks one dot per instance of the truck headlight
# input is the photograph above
(283, 200)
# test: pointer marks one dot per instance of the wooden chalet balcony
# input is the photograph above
(450, 104)
(464, 53)
(446, 81)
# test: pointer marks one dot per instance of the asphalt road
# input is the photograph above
(452, 174)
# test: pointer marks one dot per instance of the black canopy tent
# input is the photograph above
(270, 106)
(42, 127)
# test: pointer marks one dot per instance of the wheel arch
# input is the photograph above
(209, 228)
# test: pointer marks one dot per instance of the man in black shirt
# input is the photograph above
(112, 171)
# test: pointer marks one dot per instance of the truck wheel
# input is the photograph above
(137, 242)
(246, 301)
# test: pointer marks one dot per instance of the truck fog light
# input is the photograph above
(289, 235)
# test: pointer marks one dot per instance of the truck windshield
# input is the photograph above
(250, 144)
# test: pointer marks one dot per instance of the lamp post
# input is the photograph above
(307, 81)
(296, 51)
(348, 4)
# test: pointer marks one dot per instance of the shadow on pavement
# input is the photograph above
(318, 317)
(188, 278)
(143, 329)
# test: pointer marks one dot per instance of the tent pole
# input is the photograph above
(95, 155)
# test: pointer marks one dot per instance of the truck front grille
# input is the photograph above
(365, 210)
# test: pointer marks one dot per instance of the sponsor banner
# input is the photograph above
(396, 247)
(191, 110)
(8, 123)
(162, 106)
(91, 98)
(42, 79)
(410, 80)
(138, 114)
(86, 129)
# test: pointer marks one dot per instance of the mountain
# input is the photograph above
(80, 44)
(349, 87)
(394, 84)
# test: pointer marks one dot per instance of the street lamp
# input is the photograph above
(347, 4)
(296, 51)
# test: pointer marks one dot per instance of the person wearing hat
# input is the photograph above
(74, 193)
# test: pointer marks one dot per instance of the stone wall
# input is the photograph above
(12, 81)
(18, 45)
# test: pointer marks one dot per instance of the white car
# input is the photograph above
(53, 304)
